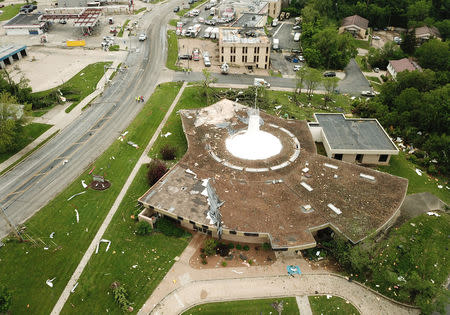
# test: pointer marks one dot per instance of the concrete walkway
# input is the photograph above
(303, 305)
(60, 119)
(184, 286)
(98, 236)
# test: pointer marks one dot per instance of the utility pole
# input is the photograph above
(10, 224)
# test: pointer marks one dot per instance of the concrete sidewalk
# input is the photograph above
(60, 119)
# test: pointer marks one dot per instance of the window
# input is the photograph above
(359, 158)
(266, 58)
(254, 58)
(383, 158)
(267, 50)
(222, 58)
(338, 156)
(257, 58)
(222, 49)
(243, 58)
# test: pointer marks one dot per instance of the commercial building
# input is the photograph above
(396, 66)
(9, 53)
(355, 25)
(251, 20)
(25, 24)
(274, 8)
(248, 48)
(359, 140)
(284, 198)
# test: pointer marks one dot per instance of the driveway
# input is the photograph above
(354, 81)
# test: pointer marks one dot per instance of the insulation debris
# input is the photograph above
(369, 177)
(133, 144)
(83, 183)
(165, 135)
(49, 282)
(334, 208)
(74, 287)
(306, 186)
(77, 216)
(52, 234)
(330, 166)
(73, 196)
(191, 173)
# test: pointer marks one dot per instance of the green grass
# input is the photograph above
(275, 74)
(173, 22)
(172, 51)
(251, 307)
(115, 71)
(29, 153)
(140, 10)
(400, 166)
(363, 65)
(71, 238)
(364, 44)
(30, 133)
(10, 11)
(192, 6)
(334, 305)
(114, 48)
(373, 79)
(122, 29)
(153, 255)
(79, 86)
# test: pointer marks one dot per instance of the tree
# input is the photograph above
(299, 80)
(408, 43)
(156, 170)
(310, 14)
(419, 10)
(330, 85)
(206, 83)
(379, 58)
(434, 55)
(5, 299)
(11, 119)
(313, 78)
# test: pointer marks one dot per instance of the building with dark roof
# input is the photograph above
(358, 140)
(25, 24)
(355, 25)
(284, 199)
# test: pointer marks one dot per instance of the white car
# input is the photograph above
(397, 39)
(142, 37)
(297, 67)
(376, 37)
(368, 93)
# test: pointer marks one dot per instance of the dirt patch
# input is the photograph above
(98, 185)
(236, 258)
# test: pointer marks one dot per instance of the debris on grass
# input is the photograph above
(49, 282)
(73, 196)
(52, 234)
(83, 183)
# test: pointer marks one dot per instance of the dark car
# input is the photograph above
(185, 57)
(329, 74)
(296, 51)
(26, 8)
(176, 9)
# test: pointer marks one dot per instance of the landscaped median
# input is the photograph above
(172, 51)
(27, 266)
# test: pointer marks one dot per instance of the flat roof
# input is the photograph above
(286, 196)
(251, 6)
(9, 50)
(249, 20)
(354, 134)
(25, 20)
(237, 35)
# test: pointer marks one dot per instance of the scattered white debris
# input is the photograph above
(330, 166)
(52, 234)
(335, 176)
(77, 215)
(432, 281)
(433, 213)
(176, 258)
(124, 134)
(205, 192)
(412, 224)
(64, 162)
(329, 296)
(103, 241)
(83, 183)
(305, 170)
(134, 266)
(419, 172)
(45, 248)
(377, 285)
(70, 198)
(398, 139)
(318, 253)
(278, 107)
(334, 208)
(306, 186)
(440, 186)
(434, 161)
(49, 282)
(238, 272)
(165, 135)
(401, 278)
(74, 287)
(369, 177)
(191, 173)
(133, 144)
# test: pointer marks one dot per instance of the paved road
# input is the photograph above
(354, 81)
(38, 179)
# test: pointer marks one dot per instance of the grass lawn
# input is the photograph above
(192, 6)
(334, 305)
(364, 44)
(31, 132)
(30, 293)
(10, 11)
(173, 22)
(363, 65)
(373, 79)
(249, 307)
(122, 29)
(140, 10)
(172, 51)
(400, 166)
(79, 86)
(275, 73)
(152, 255)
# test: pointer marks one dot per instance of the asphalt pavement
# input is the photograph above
(354, 82)
(43, 175)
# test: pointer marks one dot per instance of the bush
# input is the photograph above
(168, 152)
(204, 261)
(5, 299)
(384, 78)
(230, 245)
(143, 228)
(238, 246)
(223, 250)
(246, 248)
(224, 263)
(250, 262)
(210, 246)
(114, 48)
(156, 170)
(168, 228)
(432, 170)
(121, 297)
(266, 246)
(202, 256)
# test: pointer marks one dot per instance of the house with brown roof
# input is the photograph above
(355, 25)
(396, 66)
(425, 33)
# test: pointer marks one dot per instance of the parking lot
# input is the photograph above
(285, 34)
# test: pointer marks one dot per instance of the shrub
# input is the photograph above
(230, 245)
(432, 170)
(168, 152)
(5, 299)
(238, 246)
(250, 262)
(204, 261)
(246, 248)
(384, 78)
(202, 256)
(223, 250)
(210, 246)
(121, 297)
(224, 263)
(168, 228)
(156, 170)
(266, 246)
(143, 228)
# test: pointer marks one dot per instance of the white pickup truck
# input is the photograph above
(261, 82)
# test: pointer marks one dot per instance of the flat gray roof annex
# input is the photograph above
(25, 19)
(9, 50)
(248, 20)
(353, 134)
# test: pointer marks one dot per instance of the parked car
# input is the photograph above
(296, 27)
(368, 93)
(185, 57)
(261, 82)
(297, 67)
(296, 51)
(398, 40)
(196, 54)
(27, 8)
(210, 22)
(329, 74)
(301, 58)
(376, 37)
(142, 37)
(176, 9)
(376, 70)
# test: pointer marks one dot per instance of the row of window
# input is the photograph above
(359, 157)
(245, 50)
(244, 59)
